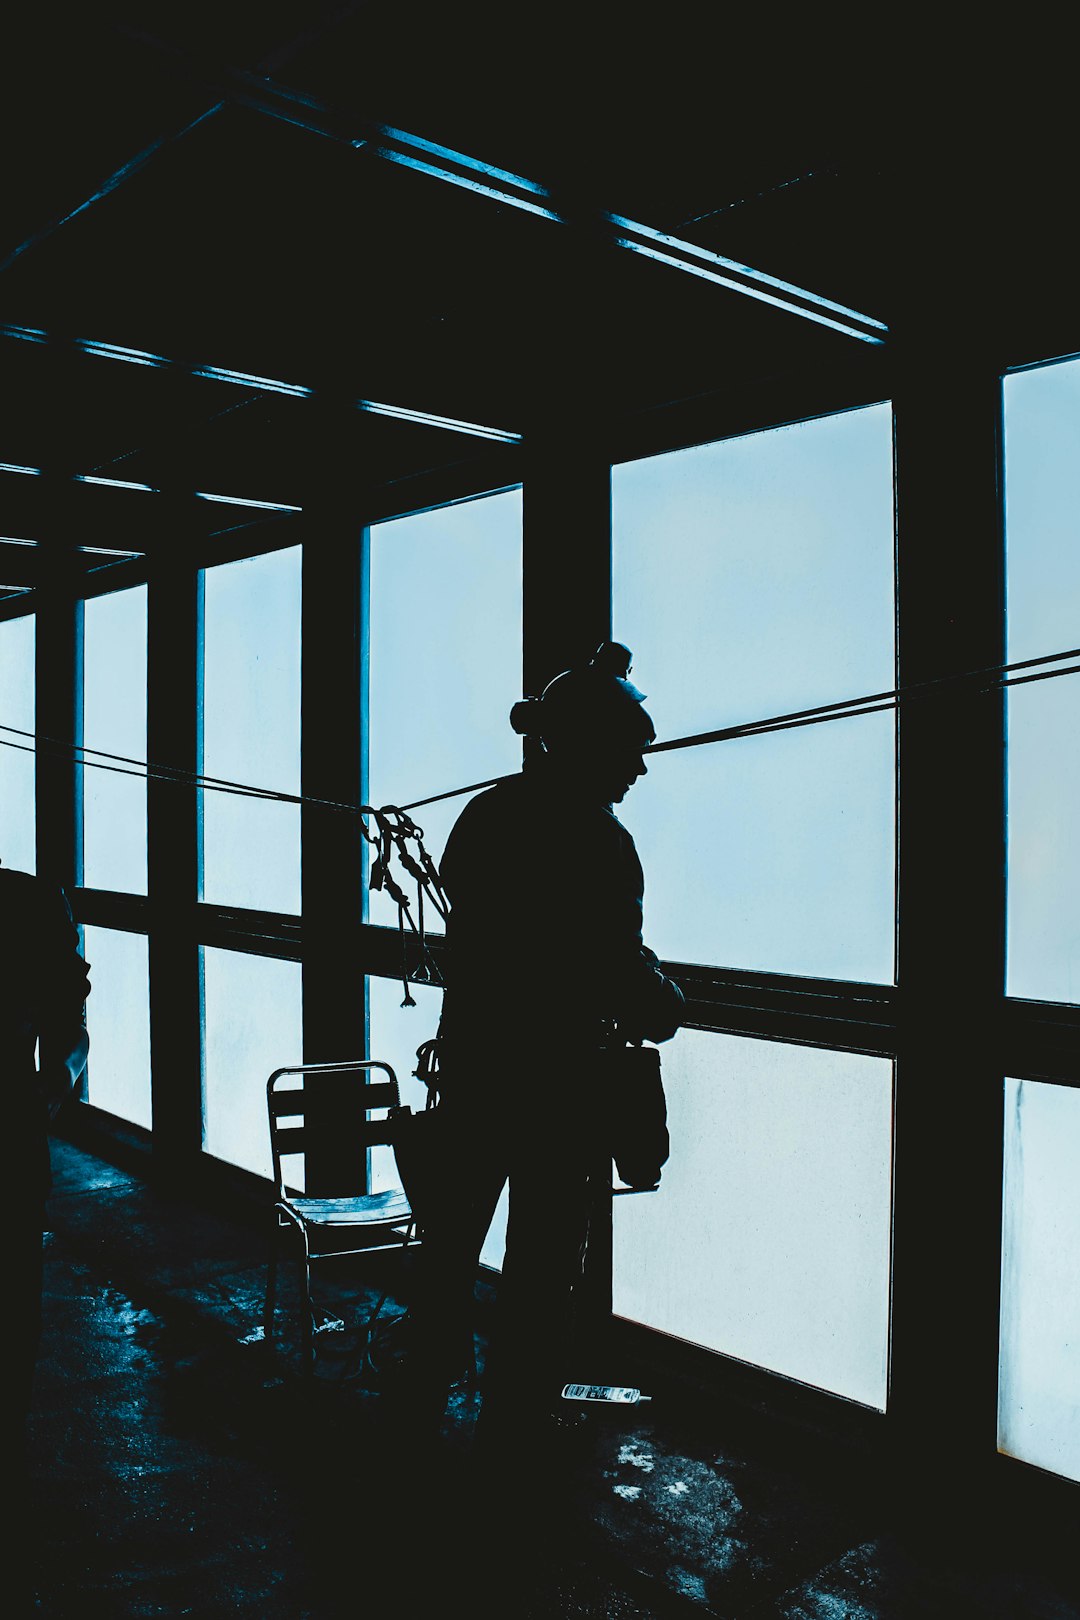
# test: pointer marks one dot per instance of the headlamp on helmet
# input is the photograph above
(593, 700)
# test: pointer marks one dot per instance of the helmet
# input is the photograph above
(591, 700)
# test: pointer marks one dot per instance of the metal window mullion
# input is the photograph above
(566, 556)
(58, 727)
(174, 676)
(948, 1154)
(566, 613)
(332, 861)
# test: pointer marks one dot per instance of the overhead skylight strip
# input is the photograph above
(502, 185)
(266, 99)
(149, 489)
(749, 289)
(245, 379)
(113, 351)
(403, 138)
(258, 103)
(426, 419)
(90, 551)
(268, 385)
(682, 247)
(240, 500)
(129, 359)
(408, 161)
(263, 86)
(114, 483)
(119, 351)
(262, 97)
(677, 245)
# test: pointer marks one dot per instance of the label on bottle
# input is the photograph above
(601, 1392)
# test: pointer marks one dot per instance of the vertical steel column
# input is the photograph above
(567, 473)
(566, 614)
(332, 847)
(58, 682)
(566, 553)
(58, 668)
(174, 739)
(948, 1162)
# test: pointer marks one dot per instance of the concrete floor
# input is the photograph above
(180, 1466)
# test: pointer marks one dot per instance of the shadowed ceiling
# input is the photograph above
(270, 252)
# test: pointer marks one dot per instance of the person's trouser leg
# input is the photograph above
(467, 1192)
(546, 1236)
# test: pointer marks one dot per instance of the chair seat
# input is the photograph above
(366, 1209)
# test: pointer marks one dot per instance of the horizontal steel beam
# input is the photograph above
(254, 383)
(26, 564)
(40, 503)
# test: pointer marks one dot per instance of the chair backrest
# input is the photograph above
(291, 1109)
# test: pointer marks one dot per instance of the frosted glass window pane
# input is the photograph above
(1039, 1382)
(251, 731)
(1043, 934)
(118, 1023)
(1042, 483)
(774, 853)
(769, 1237)
(114, 721)
(394, 1034)
(494, 1249)
(444, 659)
(252, 1013)
(18, 842)
(754, 577)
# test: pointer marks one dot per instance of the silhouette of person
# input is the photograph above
(44, 983)
(545, 966)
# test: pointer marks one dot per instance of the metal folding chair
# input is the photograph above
(326, 1227)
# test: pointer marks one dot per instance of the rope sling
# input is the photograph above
(396, 830)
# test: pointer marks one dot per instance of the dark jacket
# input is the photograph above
(544, 936)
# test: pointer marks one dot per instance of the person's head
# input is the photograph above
(593, 724)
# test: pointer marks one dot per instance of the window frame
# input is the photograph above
(949, 953)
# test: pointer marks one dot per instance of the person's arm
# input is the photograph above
(649, 1006)
(655, 1006)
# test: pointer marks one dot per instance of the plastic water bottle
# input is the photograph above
(612, 1394)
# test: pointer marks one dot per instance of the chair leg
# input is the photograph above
(271, 1292)
(307, 1324)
